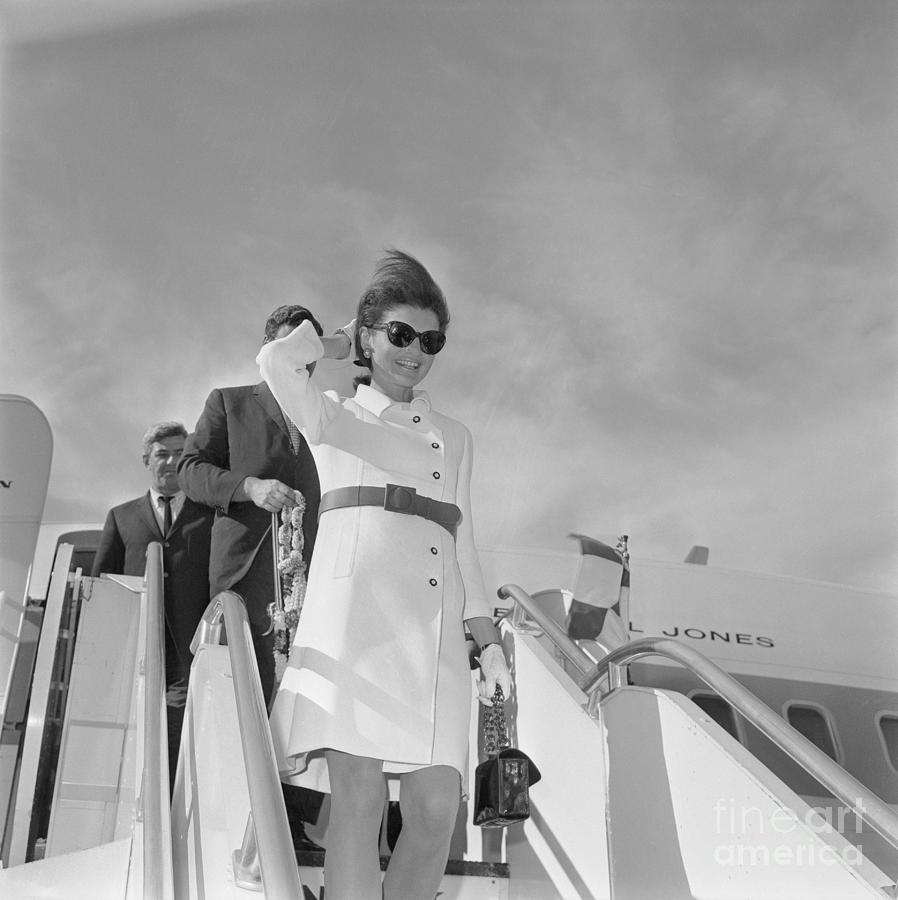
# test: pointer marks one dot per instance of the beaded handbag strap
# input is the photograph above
(495, 731)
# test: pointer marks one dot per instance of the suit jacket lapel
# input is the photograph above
(145, 510)
(183, 515)
(263, 395)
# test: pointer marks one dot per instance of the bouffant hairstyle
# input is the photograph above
(398, 280)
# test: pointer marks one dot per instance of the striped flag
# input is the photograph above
(599, 609)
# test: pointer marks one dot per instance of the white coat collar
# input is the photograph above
(376, 402)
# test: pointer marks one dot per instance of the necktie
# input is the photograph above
(166, 515)
(293, 431)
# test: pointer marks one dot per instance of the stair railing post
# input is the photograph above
(617, 675)
(245, 860)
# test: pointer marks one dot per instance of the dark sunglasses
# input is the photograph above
(400, 334)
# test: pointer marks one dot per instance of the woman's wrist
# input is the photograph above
(483, 630)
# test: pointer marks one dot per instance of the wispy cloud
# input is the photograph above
(667, 236)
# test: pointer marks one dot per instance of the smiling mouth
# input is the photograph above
(408, 364)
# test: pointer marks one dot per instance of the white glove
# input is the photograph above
(493, 671)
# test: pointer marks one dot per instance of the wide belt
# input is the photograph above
(394, 498)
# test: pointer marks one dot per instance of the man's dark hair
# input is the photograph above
(288, 315)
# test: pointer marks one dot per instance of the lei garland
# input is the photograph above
(292, 570)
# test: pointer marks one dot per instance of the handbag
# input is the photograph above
(502, 782)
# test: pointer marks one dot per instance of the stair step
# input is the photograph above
(463, 880)
(314, 859)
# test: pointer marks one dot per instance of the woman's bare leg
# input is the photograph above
(352, 862)
(429, 801)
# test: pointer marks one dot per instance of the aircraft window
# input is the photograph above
(719, 710)
(888, 728)
(815, 725)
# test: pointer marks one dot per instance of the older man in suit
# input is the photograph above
(183, 528)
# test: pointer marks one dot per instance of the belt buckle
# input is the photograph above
(400, 499)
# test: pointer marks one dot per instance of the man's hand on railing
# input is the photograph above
(493, 671)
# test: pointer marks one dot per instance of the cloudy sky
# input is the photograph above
(666, 230)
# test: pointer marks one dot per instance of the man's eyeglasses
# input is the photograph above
(400, 334)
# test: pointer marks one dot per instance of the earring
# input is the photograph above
(367, 354)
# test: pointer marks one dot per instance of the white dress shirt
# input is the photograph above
(177, 504)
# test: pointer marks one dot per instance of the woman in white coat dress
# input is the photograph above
(378, 679)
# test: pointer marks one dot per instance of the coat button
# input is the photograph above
(434, 551)
(433, 582)
(435, 445)
(436, 475)
(416, 419)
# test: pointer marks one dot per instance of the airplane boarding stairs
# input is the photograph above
(642, 795)
(645, 796)
(87, 802)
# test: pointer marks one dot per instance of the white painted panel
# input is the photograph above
(562, 851)
(694, 814)
(100, 873)
(99, 714)
(210, 803)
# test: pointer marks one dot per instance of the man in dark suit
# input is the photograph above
(246, 459)
(164, 514)
(243, 461)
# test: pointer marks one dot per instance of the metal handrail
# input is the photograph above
(152, 795)
(268, 846)
(582, 662)
(846, 788)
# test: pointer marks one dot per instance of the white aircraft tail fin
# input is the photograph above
(698, 555)
(26, 448)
